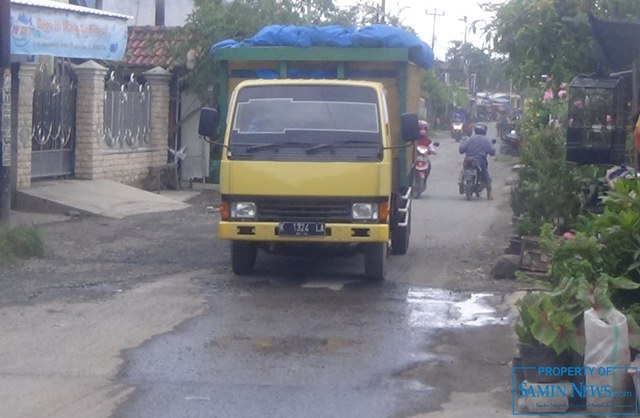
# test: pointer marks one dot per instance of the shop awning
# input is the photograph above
(45, 27)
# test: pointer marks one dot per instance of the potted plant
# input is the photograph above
(548, 332)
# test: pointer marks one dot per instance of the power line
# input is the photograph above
(435, 14)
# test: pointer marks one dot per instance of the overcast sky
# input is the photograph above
(448, 27)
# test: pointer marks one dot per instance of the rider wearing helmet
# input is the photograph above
(476, 148)
(424, 139)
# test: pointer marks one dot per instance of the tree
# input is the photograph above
(436, 95)
(472, 60)
(214, 20)
(544, 37)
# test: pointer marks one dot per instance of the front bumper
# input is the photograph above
(335, 232)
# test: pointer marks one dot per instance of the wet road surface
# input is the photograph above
(281, 348)
(309, 337)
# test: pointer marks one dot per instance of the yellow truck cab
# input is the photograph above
(316, 161)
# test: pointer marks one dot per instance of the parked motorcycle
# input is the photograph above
(471, 181)
(422, 169)
(511, 143)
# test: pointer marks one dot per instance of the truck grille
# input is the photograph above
(295, 209)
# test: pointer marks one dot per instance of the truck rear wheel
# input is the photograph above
(243, 257)
(375, 260)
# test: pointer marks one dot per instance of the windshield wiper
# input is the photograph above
(356, 141)
(320, 147)
(262, 146)
(342, 142)
(268, 145)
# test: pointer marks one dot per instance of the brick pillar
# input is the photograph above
(158, 79)
(89, 119)
(26, 77)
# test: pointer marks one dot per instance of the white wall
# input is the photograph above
(144, 11)
(196, 163)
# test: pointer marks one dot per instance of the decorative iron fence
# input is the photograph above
(53, 123)
(127, 114)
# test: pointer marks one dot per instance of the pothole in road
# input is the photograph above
(291, 345)
(440, 308)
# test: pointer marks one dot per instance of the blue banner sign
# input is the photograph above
(64, 33)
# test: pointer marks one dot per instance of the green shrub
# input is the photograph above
(20, 242)
(547, 190)
(537, 113)
(619, 226)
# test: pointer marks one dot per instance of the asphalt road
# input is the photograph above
(141, 317)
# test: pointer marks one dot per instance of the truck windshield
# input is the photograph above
(284, 122)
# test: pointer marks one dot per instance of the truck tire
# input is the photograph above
(400, 236)
(243, 257)
(375, 260)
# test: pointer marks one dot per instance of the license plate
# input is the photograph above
(301, 229)
(469, 173)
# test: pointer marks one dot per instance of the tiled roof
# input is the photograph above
(150, 46)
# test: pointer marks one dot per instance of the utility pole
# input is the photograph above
(464, 19)
(435, 14)
(383, 8)
(5, 119)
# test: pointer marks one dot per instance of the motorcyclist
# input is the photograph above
(424, 139)
(502, 124)
(476, 148)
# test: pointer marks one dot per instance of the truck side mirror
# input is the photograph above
(409, 127)
(209, 122)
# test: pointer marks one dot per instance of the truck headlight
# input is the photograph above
(243, 210)
(364, 211)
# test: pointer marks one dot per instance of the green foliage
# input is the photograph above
(537, 40)
(581, 256)
(546, 189)
(583, 277)
(527, 225)
(434, 91)
(215, 20)
(472, 60)
(550, 37)
(460, 95)
(554, 318)
(550, 320)
(20, 242)
(537, 114)
(619, 226)
(633, 318)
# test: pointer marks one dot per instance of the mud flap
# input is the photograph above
(401, 223)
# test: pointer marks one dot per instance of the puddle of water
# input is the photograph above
(335, 285)
(440, 308)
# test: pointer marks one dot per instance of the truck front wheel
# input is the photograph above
(375, 260)
(243, 257)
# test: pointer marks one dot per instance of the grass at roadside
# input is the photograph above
(20, 242)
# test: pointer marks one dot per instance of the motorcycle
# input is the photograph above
(456, 130)
(422, 169)
(511, 144)
(471, 181)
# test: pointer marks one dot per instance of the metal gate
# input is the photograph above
(53, 129)
(127, 114)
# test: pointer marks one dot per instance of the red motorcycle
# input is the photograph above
(422, 168)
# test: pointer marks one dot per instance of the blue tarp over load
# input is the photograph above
(373, 36)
